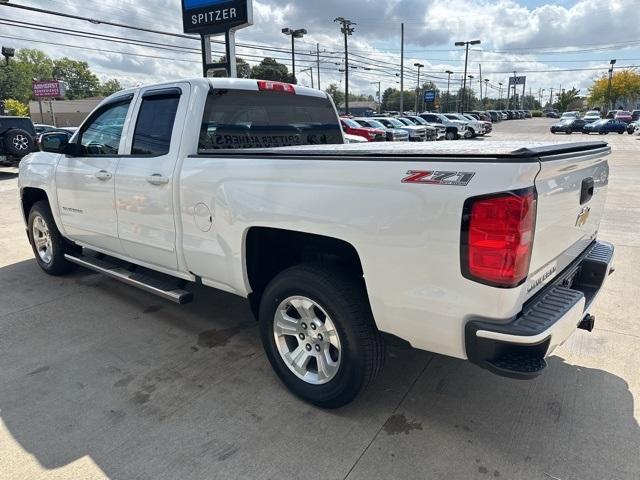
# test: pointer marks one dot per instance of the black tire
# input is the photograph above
(450, 135)
(18, 143)
(620, 133)
(568, 131)
(343, 297)
(58, 245)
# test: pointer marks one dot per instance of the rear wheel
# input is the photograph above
(319, 335)
(48, 245)
(450, 135)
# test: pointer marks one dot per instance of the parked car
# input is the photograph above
(455, 129)
(495, 115)
(348, 138)
(635, 115)
(487, 125)
(592, 116)
(605, 126)
(393, 134)
(568, 125)
(474, 127)
(623, 116)
(352, 127)
(434, 132)
(416, 134)
(495, 262)
(631, 128)
(570, 115)
(17, 139)
(551, 114)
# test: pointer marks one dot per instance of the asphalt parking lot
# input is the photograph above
(99, 380)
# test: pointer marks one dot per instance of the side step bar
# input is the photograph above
(162, 288)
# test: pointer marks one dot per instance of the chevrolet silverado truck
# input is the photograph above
(481, 251)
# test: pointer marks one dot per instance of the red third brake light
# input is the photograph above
(267, 86)
(497, 237)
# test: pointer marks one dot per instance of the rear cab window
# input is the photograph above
(248, 119)
(154, 128)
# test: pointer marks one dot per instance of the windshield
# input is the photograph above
(392, 122)
(242, 119)
(350, 123)
(420, 120)
(593, 113)
(373, 123)
(406, 122)
(625, 113)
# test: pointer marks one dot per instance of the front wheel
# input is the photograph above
(450, 135)
(48, 244)
(319, 334)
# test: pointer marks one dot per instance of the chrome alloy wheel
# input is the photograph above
(21, 142)
(307, 340)
(42, 239)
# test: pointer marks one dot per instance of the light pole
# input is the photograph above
(612, 63)
(419, 65)
(379, 95)
(486, 90)
(301, 32)
(468, 98)
(449, 73)
(347, 29)
(466, 60)
(499, 95)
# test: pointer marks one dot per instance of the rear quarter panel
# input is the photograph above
(407, 235)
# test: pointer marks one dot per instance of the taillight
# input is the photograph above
(497, 237)
(267, 86)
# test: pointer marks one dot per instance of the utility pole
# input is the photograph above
(551, 99)
(309, 69)
(401, 67)
(419, 65)
(486, 90)
(466, 59)
(379, 95)
(318, 63)
(499, 95)
(480, 68)
(347, 30)
(612, 63)
(449, 73)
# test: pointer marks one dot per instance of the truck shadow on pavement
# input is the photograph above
(148, 389)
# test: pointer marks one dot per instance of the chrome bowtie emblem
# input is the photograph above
(583, 216)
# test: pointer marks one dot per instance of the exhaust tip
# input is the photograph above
(588, 323)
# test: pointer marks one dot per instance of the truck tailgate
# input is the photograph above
(571, 189)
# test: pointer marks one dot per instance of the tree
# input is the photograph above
(566, 98)
(110, 87)
(16, 108)
(81, 81)
(625, 87)
(270, 69)
(244, 69)
(336, 94)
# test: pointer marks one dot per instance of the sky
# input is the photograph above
(555, 44)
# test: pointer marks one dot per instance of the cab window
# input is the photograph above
(154, 128)
(102, 134)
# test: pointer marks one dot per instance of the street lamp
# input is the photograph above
(8, 53)
(419, 65)
(612, 63)
(449, 73)
(499, 95)
(466, 60)
(301, 32)
(468, 98)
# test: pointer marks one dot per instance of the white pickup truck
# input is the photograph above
(481, 251)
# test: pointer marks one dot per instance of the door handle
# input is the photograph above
(586, 191)
(103, 175)
(157, 179)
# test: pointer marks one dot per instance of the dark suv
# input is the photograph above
(17, 138)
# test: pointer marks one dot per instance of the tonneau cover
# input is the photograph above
(461, 148)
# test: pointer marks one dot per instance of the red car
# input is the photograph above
(623, 116)
(354, 128)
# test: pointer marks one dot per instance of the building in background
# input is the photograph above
(66, 113)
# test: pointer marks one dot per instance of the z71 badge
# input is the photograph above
(461, 179)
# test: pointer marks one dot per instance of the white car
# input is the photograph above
(482, 252)
(474, 127)
(570, 115)
(348, 138)
(592, 116)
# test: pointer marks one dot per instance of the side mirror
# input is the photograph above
(54, 142)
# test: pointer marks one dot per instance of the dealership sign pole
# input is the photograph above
(217, 17)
